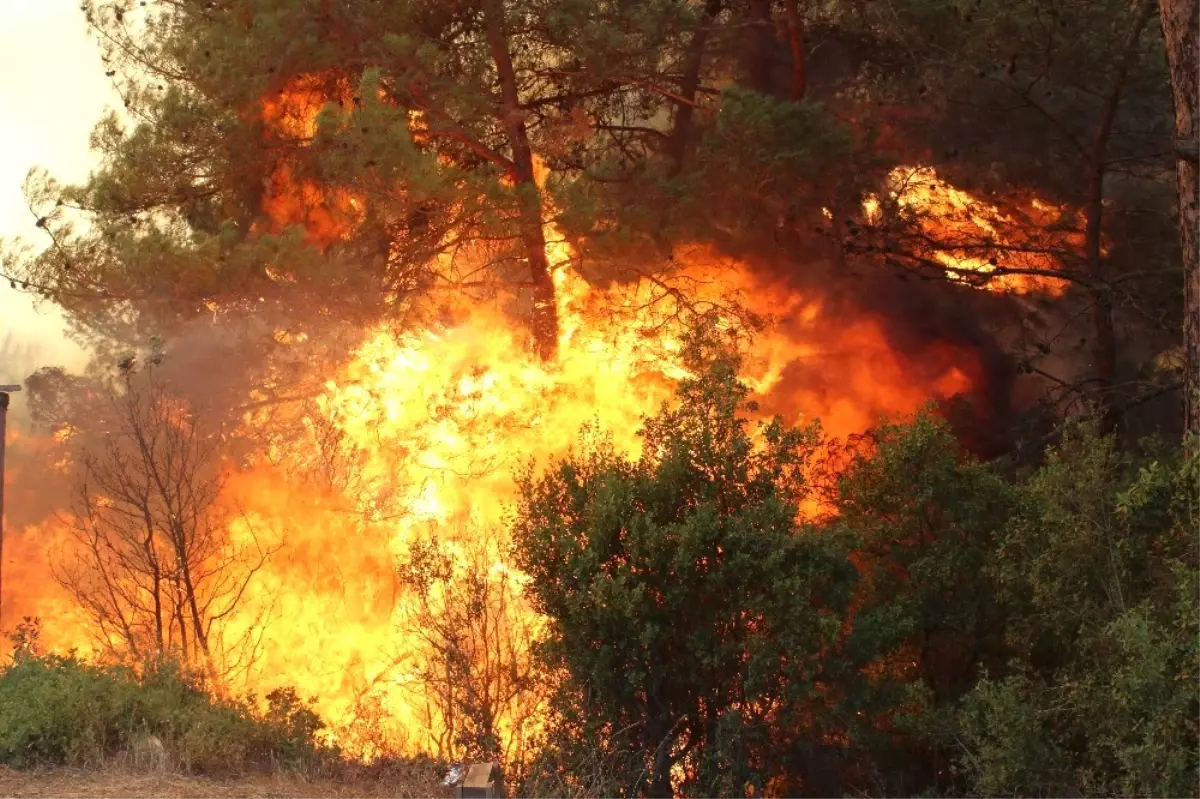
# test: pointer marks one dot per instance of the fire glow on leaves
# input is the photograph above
(1014, 251)
(419, 434)
(325, 215)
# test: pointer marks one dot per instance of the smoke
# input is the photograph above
(919, 313)
(930, 323)
(33, 491)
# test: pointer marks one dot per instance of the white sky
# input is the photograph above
(52, 91)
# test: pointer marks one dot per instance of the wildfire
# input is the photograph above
(1015, 251)
(429, 427)
(433, 424)
(418, 436)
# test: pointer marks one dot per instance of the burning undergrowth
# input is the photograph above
(416, 437)
(366, 475)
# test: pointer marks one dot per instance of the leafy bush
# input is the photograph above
(692, 619)
(66, 711)
(996, 633)
(1097, 571)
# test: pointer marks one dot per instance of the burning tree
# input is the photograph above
(472, 662)
(346, 159)
(154, 565)
(296, 185)
(352, 156)
(1056, 116)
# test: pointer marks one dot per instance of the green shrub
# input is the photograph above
(682, 602)
(66, 711)
(1098, 570)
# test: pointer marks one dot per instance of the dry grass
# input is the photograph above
(69, 783)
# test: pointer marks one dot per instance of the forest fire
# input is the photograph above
(419, 435)
(637, 399)
(430, 425)
(1016, 250)
(417, 438)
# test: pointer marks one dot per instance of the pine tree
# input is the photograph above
(1068, 100)
(344, 158)
(389, 133)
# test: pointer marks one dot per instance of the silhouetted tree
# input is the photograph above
(153, 560)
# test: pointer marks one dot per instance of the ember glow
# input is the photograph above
(291, 116)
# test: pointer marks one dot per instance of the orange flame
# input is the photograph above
(432, 424)
(419, 434)
(1027, 239)
(291, 115)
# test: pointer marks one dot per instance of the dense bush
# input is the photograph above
(694, 624)
(955, 627)
(67, 711)
(1097, 572)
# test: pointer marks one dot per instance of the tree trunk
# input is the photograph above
(199, 631)
(1181, 30)
(179, 607)
(762, 36)
(660, 781)
(681, 128)
(155, 580)
(796, 42)
(545, 311)
(1104, 344)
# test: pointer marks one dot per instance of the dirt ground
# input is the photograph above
(64, 783)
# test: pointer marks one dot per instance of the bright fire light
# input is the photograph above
(1019, 245)
(419, 434)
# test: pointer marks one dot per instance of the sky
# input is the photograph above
(52, 91)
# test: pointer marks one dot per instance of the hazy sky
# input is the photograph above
(52, 91)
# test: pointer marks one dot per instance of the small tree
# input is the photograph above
(922, 517)
(153, 563)
(1098, 570)
(472, 637)
(686, 612)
